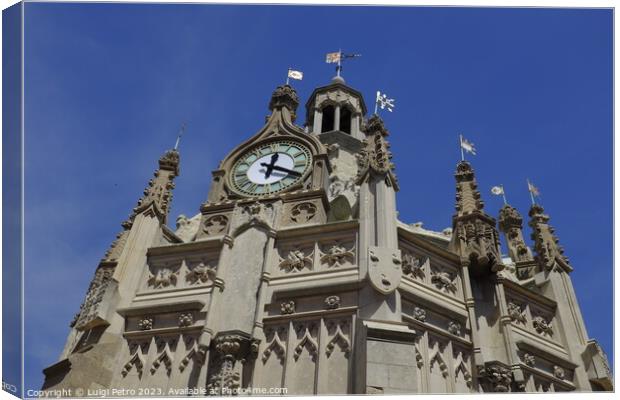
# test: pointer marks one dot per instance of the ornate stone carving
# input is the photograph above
(529, 359)
(461, 366)
(201, 273)
(516, 313)
(558, 372)
(497, 375)
(284, 96)
(287, 307)
(375, 154)
(186, 319)
(454, 328)
(164, 277)
(338, 338)
(332, 302)
(215, 225)
(91, 309)
(542, 325)
(549, 253)
(419, 314)
(137, 358)
(306, 340)
(296, 261)
(145, 323)
(227, 369)
(117, 246)
(443, 280)
(164, 357)
(336, 254)
(277, 344)
(303, 212)
(475, 238)
(412, 265)
(158, 193)
(384, 269)
(196, 352)
(511, 223)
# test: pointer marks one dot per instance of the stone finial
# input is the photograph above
(284, 96)
(474, 236)
(375, 125)
(158, 193)
(549, 253)
(376, 155)
(467, 195)
(511, 224)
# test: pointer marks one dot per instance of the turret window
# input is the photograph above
(345, 120)
(328, 119)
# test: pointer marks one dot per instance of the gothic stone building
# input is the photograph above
(297, 274)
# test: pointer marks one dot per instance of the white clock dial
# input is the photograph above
(258, 170)
(270, 168)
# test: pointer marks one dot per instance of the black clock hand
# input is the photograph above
(270, 166)
(289, 171)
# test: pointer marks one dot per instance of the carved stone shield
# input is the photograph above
(384, 268)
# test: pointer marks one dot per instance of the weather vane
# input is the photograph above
(338, 57)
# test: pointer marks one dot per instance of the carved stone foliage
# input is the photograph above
(306, 339)
(287, 307)
(186, 319)
(454, 328)
(335, 254)
(529, 359)
(516, 313)
(303, 212)
(275, 343)
(338, 332)
(549, 253)
(419, 314)
(145, 323)
(200, 273)
(284, 96)
(498, 376)
(511, 223)
(159, 190)
(231, 351)
(345, 187)
(91, 308)
(479, 241)
(297, 260)
(215, 225)
(558, 372)
(413, 266)
(444, 280)
(376, 153)
(542, 325)
(163, 277)
(332, 302)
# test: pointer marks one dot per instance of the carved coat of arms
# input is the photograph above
(384, 268)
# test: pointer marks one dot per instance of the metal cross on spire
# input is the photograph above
(337, 58)
(181, 132)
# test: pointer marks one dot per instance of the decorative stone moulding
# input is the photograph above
(419, 314)
(332, 302)
(296, 261)
(288, 307)
(145, 323)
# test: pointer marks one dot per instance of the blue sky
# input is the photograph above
(108, 85)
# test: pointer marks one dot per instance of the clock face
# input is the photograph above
(270, 168)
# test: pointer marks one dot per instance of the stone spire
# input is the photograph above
(549, 254)
(158, 193)
(376, 156)
(511, 225)
(474, 235)
(285, 98)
